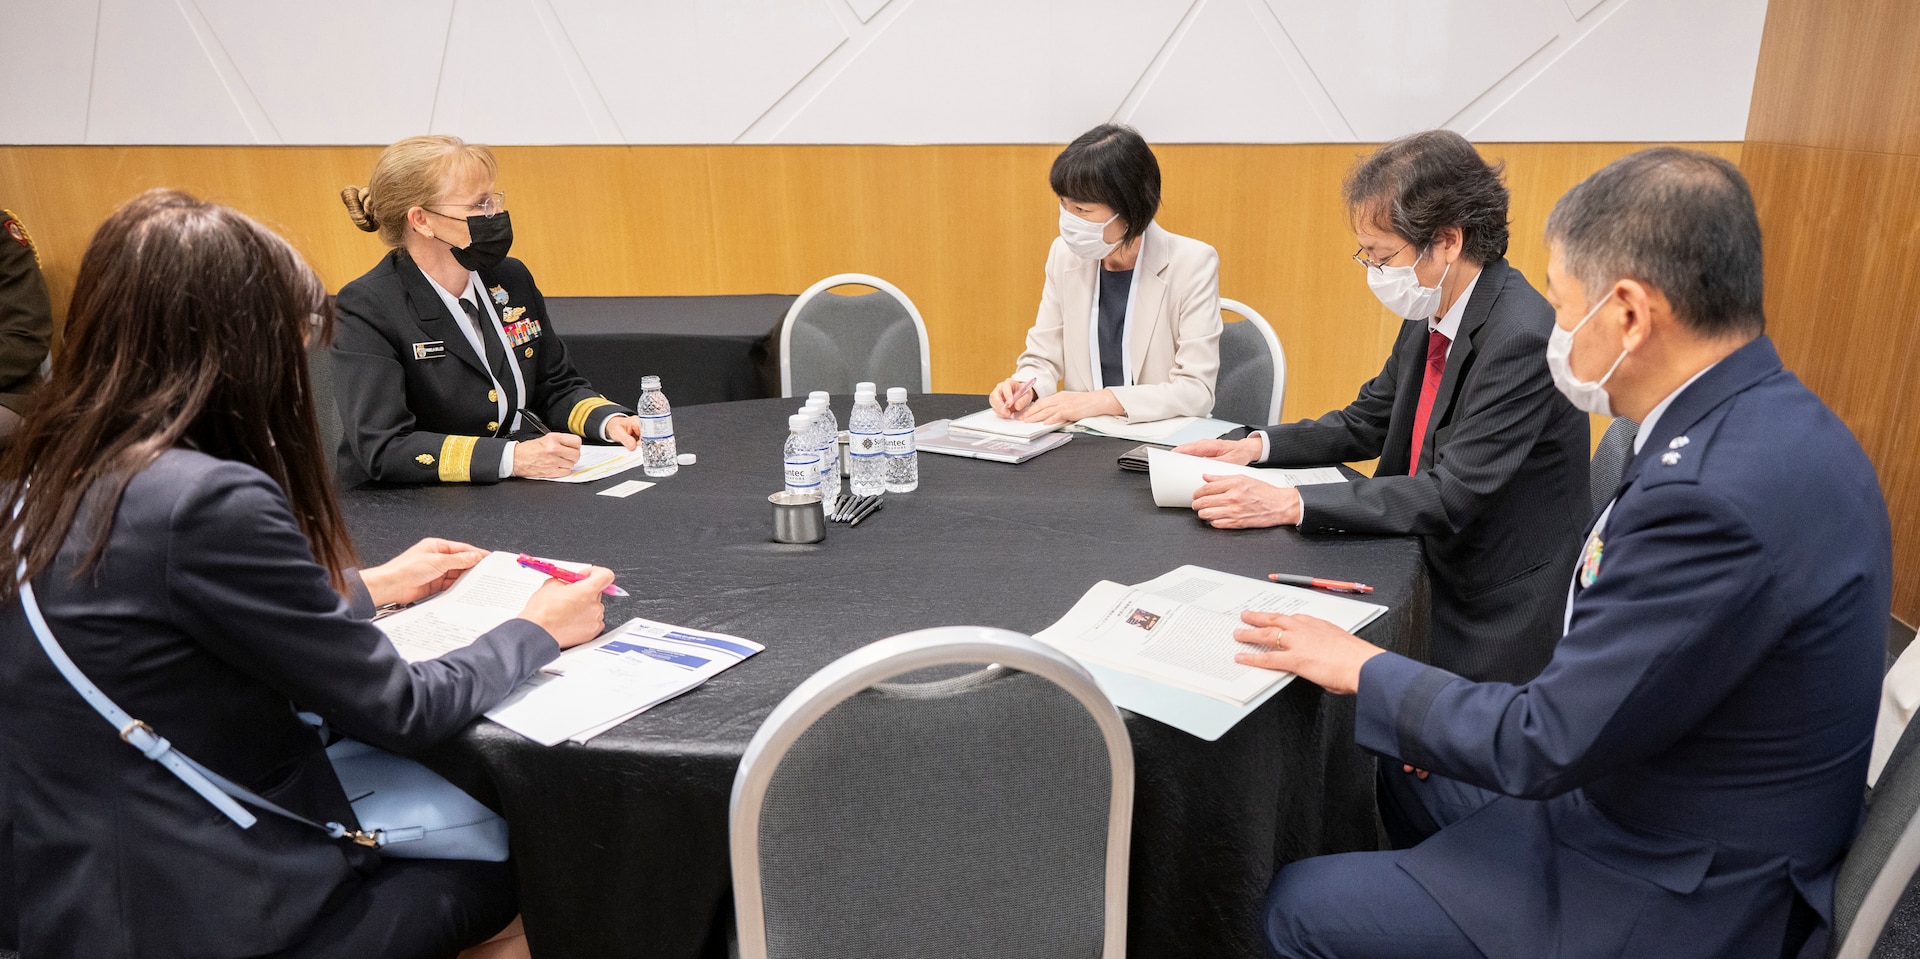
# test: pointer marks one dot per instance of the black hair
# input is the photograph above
(1112, 165)
(1423, 183)
(1677, 220)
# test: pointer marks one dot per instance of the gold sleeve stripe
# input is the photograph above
(577, 420)
(456, 459)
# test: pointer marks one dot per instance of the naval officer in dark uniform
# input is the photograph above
(446, 365)
(26, 323)
(1684, 776)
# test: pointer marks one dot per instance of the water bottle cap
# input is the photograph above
(819, 396)
(896, 394)
(649, 382)
(799, 421)
(863, 396)
(865, 388)
(815, 403)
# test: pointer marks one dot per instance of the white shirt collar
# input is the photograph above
(1653, 417)
(1449, 324)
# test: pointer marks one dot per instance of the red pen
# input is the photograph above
(564, 575)
(1337, 585)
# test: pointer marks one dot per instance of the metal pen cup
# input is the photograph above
(798, 518)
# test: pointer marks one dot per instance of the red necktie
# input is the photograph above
(1437, 344)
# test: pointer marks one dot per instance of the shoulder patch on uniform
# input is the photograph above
(17, 231)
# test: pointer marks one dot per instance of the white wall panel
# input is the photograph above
(343, 71)
(874, 71)
(1225, 48)
(49, 50)
(1635, 76)
(156, 81)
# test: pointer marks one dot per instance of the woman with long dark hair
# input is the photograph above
(177, 521)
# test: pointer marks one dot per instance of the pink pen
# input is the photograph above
(564, 575)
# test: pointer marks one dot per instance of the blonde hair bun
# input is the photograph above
(355, 198)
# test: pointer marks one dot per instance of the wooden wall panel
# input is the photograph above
(963, 229)
(1841, 75)
(1833, 154)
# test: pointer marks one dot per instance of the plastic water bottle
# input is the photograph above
(658, 457)
(822, 404)
(868, 445)
(903, 464)
(803, 458)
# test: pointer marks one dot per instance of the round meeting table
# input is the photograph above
(620, 844)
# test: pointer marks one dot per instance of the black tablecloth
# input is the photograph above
(705, 349)
(622, 843)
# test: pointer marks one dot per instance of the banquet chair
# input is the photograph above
(983, 814)
(325, 410)
(1610, 462)
(1881, 865)
(830, 342)
(1253, 369)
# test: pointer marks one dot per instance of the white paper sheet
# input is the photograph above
(598, 463)
(1176, 475)
(987, 421)
(492, 592)
(1170, 432)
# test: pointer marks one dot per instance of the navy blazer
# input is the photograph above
(209, 620)
(1695, 755)
(416, 403)
(1502, 489)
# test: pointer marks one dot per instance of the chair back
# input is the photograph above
(987, 814)
(1610, 461)
(1883, 858)
(1253, 369)
(830, 342)
(325, 409)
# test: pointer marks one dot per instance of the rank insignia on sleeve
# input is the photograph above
(1590, 561)
(424, 459)
(499, 294)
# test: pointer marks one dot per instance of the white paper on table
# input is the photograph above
(1171, 431)
(1176, 475)
(628, 670)
(989, 422)
(495, 590)
(598, 463)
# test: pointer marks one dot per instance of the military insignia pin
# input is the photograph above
(1590, 563)
(513, 315)
(424, 459)
(529, 352)
(499, 295)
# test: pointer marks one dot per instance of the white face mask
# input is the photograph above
(1588, 396)
(1399, 290)
(1085, 239)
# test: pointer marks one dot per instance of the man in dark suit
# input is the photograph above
(1479, 455)
(1684, 776)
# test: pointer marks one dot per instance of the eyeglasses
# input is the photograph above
(1360, 257)
(494, 203)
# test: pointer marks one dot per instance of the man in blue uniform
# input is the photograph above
(1683, 777)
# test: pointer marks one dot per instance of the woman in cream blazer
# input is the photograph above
(1150, 348)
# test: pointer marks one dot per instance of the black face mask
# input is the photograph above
(489, 239)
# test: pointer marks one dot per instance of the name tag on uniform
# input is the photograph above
(430, 350)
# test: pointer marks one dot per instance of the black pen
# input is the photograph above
(872, 508)
(534, 421)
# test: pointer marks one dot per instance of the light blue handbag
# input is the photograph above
(405, 809)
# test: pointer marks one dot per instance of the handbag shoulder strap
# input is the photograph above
(223, 793)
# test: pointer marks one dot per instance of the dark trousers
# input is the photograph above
(415, 909)
(1361, 905)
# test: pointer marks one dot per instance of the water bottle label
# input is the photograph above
(900, 444)
(867, 444)
(803, 474)
(657, 426)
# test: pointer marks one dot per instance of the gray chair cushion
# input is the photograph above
(325, 410)
(964, 818)
(1243, 392)
(841, 340)
(1610, 461)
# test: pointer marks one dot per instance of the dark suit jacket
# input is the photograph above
(415, 399)
(209, 620)
(1502, 487)
(1695, 755)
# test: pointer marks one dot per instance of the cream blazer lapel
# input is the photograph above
(1079, 285)
(1150, 307)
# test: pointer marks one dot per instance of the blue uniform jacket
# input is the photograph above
(1695, 754)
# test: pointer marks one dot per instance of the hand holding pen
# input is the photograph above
(563, 574)
(1006, 403)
